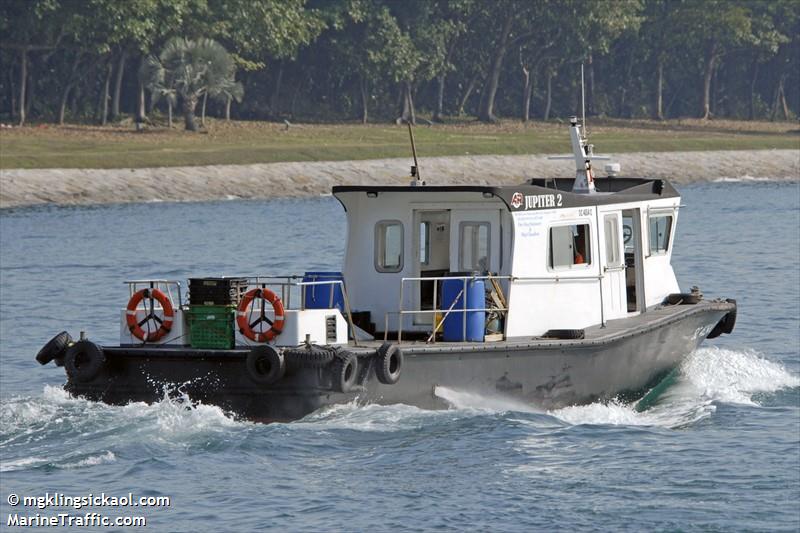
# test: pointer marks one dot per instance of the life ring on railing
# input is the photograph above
(165, 324)
(246, 327)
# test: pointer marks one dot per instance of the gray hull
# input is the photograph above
(625, 356)
(621, 358)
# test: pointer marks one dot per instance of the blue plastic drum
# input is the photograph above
(453, 327)
(319, 296)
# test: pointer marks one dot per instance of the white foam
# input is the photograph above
(745, 179)
(21, 464)
(481, 403)
(734, 376)
(107, 457)
(708, 375)
(369, 417)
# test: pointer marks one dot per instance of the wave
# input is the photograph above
(45, 431)
(57, 431)
(750, 179)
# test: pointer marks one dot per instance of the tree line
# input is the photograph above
(334, 60)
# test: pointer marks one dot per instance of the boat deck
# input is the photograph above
(612, 331)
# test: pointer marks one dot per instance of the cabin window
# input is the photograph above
(611, 230)
(570, 245)
(424, 242)
(660, 228)
(474, 246)
(389, 246)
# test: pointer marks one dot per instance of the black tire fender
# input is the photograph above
(265, 365)
(344, 372)
(388, 363)
(309, 357)
(84, 360)
(729, 321)
(682, 298)
(54, 349)
(718, 329)
(567, 334)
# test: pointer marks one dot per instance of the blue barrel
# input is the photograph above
(453, 328)
(319, 296)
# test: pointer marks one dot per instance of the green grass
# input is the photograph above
(263, 142)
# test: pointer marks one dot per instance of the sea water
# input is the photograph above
(718, 450)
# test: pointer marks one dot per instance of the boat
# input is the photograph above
(551, 292)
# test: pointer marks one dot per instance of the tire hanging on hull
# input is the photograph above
(84, 360)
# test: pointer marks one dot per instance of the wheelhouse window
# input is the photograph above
(660, 229)
(474, 246)
(389, 246)
(611, 230)
(570, 246)
(424, 242)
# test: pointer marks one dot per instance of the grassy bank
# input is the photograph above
(118, 146)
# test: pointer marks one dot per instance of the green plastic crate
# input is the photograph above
(211, 327)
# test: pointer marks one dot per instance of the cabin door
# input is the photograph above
(634, 260)
(613, 265)
(431, 257)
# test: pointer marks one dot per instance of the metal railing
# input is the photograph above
(163, 285)
(402, 312)
(293, 284)
(289, 285)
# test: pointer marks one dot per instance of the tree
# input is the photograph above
(258, 32)
(29, 27)
(714, 27)
(191, 68)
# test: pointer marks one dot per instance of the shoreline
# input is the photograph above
(29, 187)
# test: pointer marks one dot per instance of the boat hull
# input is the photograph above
(624, 357)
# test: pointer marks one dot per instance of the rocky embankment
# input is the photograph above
(20, 187)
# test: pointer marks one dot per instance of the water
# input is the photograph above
(718, 450)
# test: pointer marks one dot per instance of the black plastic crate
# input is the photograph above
(216, 291)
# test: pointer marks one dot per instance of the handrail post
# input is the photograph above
(400, 315)
(435, 306)
(464, 314)
(349, 314)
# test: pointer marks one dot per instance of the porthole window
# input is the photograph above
(389, 246)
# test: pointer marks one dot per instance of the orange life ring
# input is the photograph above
(165, 324)
(246, 327)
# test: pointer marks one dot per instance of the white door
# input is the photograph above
(475, 241)
(613, 263)
(431, 246)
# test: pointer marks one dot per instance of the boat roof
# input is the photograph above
(609, 191)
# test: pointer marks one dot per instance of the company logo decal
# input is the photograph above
(536, 201)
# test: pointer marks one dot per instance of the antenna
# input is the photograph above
(583, 105)
(415, 168)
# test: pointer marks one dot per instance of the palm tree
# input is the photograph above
(227, 92)
(191, 69)
(152, 76)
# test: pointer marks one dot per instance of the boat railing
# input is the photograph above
(503, 309)
(164, 285)
(292, 285)
(434, 311)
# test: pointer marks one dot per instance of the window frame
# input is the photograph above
(670, 215)
(615, 218)
(379, 245)
(549, 257)
(477, 223)
(424, 242)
